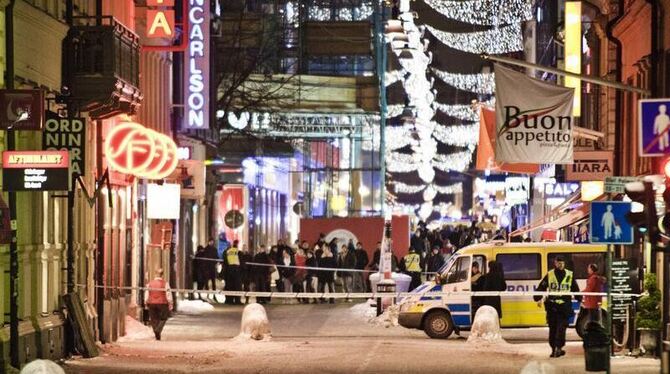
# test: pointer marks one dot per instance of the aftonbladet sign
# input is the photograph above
(35, 171)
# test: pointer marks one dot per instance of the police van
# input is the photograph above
(524, 265)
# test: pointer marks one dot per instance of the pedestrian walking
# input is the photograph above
(232, 271)
(327, 277)
(261, 273)
(594, 283)
(346, 260)
(211, 257)
(411, 265)
(494, 280)
(159, 302)
(312, 278)
(558, 307)
(360, 277)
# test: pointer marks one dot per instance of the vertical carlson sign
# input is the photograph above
(196, 66)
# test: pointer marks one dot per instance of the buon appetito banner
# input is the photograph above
(533, 119)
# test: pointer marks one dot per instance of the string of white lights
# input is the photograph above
(394, 110)
(458, 161)
(396, 137)
(460, 111)
(504, 39)
(391, 77)
(401, 187)
(483, 83)
(485, 12)
(450, 189)
(458, 135)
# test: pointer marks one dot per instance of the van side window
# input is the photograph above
(460, 270)
(521, 266)
(481, 260)
(577, 262)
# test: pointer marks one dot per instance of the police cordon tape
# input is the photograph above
(365, 295)
(346, 270)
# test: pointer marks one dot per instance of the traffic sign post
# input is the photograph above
(608, 223)
(654, 127)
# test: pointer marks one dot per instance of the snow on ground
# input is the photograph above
(255, 324)
(135, 330)
(194, 307)
(536, 367)
(486, 328)
(42, 367)
(367, 312)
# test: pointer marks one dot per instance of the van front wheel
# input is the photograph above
(438, 325)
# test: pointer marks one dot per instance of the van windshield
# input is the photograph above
(447, 265)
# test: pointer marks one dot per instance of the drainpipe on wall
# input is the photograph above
(618, 94)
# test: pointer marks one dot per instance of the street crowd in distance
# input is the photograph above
(346, 265)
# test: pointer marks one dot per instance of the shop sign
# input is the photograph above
(234, 219)
(553, 190)
(160, 19)
(516, 190)
(66, 134)
(196, 66)
(35, 171)
(21, 109)
(133, 149)
(596, 165)
(533, 119)
(191, 174)
(163, 201)
(618, 184)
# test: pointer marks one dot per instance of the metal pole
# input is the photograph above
(609, 306)
(100, 239)
(585, 78)
(380, 54)
(13, 248)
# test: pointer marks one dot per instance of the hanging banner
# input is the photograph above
(196, 67)
(533, 119)
(487, 144)
(66, 134)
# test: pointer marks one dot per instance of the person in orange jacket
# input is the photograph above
(159, 301)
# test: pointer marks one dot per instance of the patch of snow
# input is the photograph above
(387, 319)
(135, 330)
(364, 311)
(255, 324)
(42, 367)
(486, 327)
(535, 367)
(194, 307)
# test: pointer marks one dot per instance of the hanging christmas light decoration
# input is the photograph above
(499, 40)
(392, 76)
(477, 83)
(460, 111)
(458, 161)
(400, 187)
(458, 135)
(485, 12)
(451, 189)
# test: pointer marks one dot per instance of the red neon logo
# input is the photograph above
(133, 149)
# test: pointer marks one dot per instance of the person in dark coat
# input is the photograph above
(494, 280)
(360, 284)
(287, 271)
(346, 260)
(245, 270)
(276, 259)
(211, 254)
(200, 268)
(327, 277)
(261, 274)
(376, 256)
(434, 262)
(311, 280)
(417, 242)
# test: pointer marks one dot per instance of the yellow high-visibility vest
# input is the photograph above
(413, 263)
(232, 256)
(562, 287)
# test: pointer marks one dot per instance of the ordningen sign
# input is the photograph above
(533, 120)
(196, 66)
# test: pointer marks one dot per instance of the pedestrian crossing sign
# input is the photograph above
(654, 127)
(608, 222)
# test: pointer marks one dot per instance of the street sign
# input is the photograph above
(618, 184)
(66, 134)
(654, 127)
(234, 219)
(623, 280)
(609, 224)
(35, 171)
(21, 109)
(590, 166)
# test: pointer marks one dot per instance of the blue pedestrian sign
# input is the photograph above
(609, 224)
(654, 126)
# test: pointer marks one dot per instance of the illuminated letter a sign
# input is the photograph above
(160, 22)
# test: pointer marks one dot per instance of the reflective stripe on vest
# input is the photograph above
(563, 287)
(157, 294)
(413, 263)
(232, 256)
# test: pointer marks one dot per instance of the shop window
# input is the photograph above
(521, 266)
(577, 262)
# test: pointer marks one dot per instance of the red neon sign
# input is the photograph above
(133, 149)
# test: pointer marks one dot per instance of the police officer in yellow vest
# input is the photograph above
(559, 308)
(412, 265)
(233, 276)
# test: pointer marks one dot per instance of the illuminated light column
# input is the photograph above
(573, 51)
